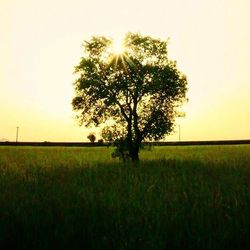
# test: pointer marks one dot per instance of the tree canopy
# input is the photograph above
(91, 137)
(136, 93)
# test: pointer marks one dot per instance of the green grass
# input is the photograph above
(194, 197)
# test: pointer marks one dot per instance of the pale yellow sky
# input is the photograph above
(40, 43)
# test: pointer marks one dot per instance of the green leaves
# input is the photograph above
(140, 89)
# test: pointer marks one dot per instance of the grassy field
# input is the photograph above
(195, 197)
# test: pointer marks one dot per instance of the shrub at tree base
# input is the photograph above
(91, 137)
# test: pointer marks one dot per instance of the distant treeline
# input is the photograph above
(98, 144)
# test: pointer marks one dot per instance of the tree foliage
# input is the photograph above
(137, 93)
(91, 137)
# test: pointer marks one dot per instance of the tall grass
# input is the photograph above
(80, 198)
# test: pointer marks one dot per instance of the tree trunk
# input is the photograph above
(135, 156)
(134, 152)
(133, 143)
(137, 140)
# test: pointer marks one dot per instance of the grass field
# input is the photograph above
(194, 197)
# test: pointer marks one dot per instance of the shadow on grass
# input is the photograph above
(163, 204)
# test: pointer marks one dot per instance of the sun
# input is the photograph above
(118, 46)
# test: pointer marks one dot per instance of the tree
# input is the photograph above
(136, 93)
(91, 137)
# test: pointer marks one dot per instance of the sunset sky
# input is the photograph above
(40, 43)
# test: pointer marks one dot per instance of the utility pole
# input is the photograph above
(17, 130)
(179, 132)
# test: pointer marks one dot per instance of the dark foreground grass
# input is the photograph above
(178, 198)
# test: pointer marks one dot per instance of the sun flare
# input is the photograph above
(118, 46)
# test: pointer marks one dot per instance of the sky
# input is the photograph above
(40, 43)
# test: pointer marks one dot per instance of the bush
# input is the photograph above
(91, 137)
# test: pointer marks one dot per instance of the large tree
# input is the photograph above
(136, 92)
